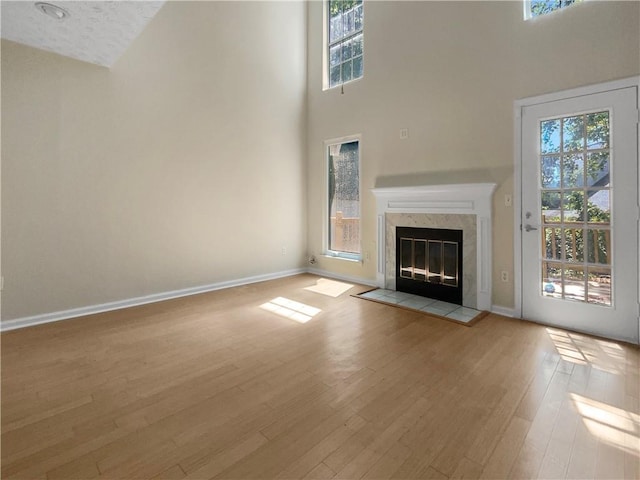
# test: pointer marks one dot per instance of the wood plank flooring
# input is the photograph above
(251, 383)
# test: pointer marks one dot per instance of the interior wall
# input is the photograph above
(449, 72)
(181, 166)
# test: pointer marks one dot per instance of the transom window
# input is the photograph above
(343, 188)
(345, 22)
(535, 8)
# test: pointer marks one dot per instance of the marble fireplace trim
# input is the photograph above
(440, 203)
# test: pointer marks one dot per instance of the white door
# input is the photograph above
(580, 213)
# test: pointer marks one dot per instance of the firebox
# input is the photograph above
(429, 263)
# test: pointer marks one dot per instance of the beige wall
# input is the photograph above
(181, 166)
(450, 72)
(184, 164)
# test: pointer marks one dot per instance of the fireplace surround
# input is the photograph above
(465, 207)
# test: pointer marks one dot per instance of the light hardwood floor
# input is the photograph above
(219, 386)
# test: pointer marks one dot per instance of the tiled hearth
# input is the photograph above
(449, 311)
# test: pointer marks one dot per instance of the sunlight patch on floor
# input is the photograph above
(583, 350)
(614, 426)
(291, 309)
(331, 288)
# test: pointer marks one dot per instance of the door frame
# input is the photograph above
(518, 106)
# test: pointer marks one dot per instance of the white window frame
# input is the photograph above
(326, 63)
(354, 257)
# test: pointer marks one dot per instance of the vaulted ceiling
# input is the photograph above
(98, 32)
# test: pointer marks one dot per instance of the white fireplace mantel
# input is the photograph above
(456, 199)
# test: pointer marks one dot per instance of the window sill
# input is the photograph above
(354, 259)
(326, 87)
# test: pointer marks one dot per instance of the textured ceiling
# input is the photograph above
(96, 32)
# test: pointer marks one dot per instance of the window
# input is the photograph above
(576, 207)
(535, 8)
(345, 21)
(343, 188)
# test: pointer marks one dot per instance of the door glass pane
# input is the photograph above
(551, 207)
(573, 206)
(573, 134)
(600, 285)
(574, 245)
(598, 130)
(598, 246)
(598, 207)
(553, 243)
(550, 136)
(572, 171)
(552, 279)
(575, 199)
(574, 286)
(597, 169)
(550, 171)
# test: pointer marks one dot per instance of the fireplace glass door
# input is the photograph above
(429, 263)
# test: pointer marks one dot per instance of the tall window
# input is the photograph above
(535, 8)
(344, 199)
(345, 40)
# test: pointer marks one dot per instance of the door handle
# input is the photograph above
(528, 228)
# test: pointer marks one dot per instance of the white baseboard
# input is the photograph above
(504, 311)
(133, 302)
(24, 322)
(344, 278)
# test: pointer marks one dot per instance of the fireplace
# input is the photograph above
(429, 263)
(465, 207)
